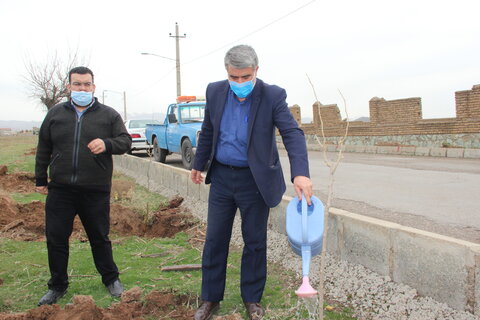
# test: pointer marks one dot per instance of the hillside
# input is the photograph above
(17, 125)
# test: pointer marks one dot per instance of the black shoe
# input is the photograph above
(206, 310)
(254, 310)
(51, 296)
(115, 288)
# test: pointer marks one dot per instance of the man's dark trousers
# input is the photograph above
(231, 189)
(93, 209)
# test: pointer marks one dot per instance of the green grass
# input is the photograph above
(13, 152)
(25, 270)
(23, 198)
(24, 265)
(25, 274)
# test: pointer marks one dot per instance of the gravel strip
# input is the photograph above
(370, 295)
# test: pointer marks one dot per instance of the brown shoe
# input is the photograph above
(254, 310)
(206, 310)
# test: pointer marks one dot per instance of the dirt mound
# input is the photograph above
(32, 151)
(156, 304)
(16, 182)
(27, 221)
(165, 222)
(24, 222)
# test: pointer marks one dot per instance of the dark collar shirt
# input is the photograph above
(232, 140)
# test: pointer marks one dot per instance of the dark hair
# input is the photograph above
(79, 70)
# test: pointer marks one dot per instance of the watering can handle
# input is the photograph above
(304, 220)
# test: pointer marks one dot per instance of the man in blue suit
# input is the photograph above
(237, 147)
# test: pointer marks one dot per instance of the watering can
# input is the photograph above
(305, 225)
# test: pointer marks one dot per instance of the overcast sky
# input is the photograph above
(389, 49)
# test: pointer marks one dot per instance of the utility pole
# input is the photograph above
(177, 40)
(125, 105)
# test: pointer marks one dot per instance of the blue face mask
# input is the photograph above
(242, 89)
(81, 98)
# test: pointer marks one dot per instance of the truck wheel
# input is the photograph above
(187, 154)
(159, 154)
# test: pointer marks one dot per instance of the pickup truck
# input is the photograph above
(179, 132)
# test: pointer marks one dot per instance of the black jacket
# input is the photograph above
(63, 140)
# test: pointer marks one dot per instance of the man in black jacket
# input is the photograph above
(76, 142)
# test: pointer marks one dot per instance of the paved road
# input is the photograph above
(441, 195)
(435, 194)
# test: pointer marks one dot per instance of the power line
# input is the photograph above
(253, 32)
(153, 83)
(230, 43)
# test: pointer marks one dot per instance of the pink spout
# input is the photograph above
(305, 290)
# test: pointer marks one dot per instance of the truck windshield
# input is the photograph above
(192, 113)
(138, 124)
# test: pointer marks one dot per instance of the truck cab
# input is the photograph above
(179, 132)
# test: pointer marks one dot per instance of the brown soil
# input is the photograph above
(16, 182)
(25, 222)
(156, 304)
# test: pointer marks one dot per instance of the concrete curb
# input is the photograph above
(440, 267)
(399, 150)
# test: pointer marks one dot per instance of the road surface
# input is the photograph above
(441, 195)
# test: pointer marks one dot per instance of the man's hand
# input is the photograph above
(196, 176)
(97, 146)
(303, 184)
(41, 189)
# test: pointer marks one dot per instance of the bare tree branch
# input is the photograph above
(332, 165)
(47, 81)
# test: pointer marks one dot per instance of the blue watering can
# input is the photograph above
(305, 225)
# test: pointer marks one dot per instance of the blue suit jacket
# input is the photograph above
(268, 111)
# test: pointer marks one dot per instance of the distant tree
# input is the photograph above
(48, 80)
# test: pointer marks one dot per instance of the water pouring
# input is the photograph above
(305, 226)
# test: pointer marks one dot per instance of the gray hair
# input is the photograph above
(241, 57)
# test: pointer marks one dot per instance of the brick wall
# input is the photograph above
(468, 104)
(330, 114)
(395, 111)
(397, 117)
(295, 110)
